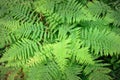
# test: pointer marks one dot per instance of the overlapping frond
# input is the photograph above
(69, 11)
(64, 50)
(53, 71)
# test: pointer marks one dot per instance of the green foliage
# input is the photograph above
(101, 41)
(102, 73)
(59, 39)
(97, 8)
(52, 72)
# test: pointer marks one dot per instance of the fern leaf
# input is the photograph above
(97, 71)
(25, 49)
(49, 71)
(9, 23)
(69, 11)
(24, 14)
(116, 17)
(72, 72)
(97, 8)
(31, 31)
(6, 37)
(101, 41)
(36, 59)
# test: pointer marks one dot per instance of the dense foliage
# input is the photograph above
(59, 40)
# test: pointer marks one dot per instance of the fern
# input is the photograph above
(116, 17)
(51, 71)
(70, 11)
(59, 39)
(100, 70)
(25, 48)
(24, 14)
(101, 41)
(97, 8)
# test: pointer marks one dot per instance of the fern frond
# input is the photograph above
(97, 71)
(45, 71)
(24, 14)
(20, 52)
(100, 24)
(7, 28)
(113, 16)
(97, 8)
(7, 5)
(9, 23)
(72, 72)
(54, 20)
(101, 41)
(116, 30)
(52, 72)
(116, 17)
(6, 37)
(65, 49)
(36, 59)
(45, 6)
(69, 11)
(31, 31)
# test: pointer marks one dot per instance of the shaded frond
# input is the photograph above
(97, 8)
(9, 23)
(97, 71)
(7, 5)
(6, 37)
(116, 17)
